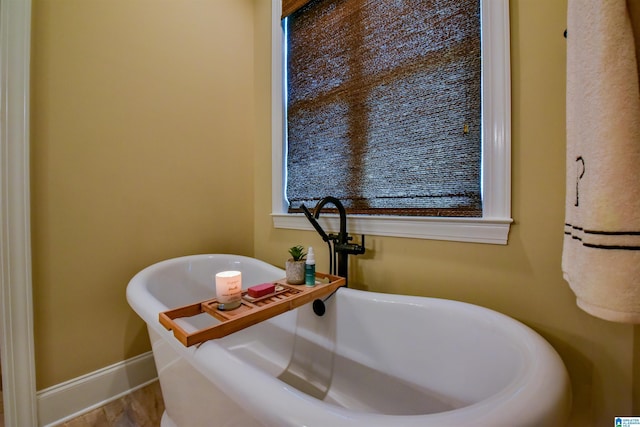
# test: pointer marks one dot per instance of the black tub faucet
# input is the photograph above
(338, 244)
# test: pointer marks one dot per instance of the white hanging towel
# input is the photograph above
(601, 254)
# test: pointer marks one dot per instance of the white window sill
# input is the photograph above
(476, 230)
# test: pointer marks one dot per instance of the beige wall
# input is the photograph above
(522, 279)
(143, 122)
(142, 149)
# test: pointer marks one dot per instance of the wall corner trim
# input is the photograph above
(16, 306)
(70, 399)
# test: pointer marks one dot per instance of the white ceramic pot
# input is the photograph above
(295, 271)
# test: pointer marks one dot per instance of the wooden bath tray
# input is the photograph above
(251, 310)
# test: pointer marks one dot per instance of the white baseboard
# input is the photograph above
(72, 398)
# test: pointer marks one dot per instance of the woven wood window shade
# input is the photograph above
(290, 6)
(384, 106)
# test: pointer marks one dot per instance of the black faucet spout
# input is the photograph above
(342, 236)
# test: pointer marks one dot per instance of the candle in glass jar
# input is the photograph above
(228, 289)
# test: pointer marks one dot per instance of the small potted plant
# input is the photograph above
(295, 265)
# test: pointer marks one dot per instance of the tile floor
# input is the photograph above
(142, 408)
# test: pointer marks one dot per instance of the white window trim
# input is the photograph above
(495, 223)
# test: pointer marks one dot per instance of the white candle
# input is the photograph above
(229, 289)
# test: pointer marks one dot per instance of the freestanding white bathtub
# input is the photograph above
(372, 360)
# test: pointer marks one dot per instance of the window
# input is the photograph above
(493, 225)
